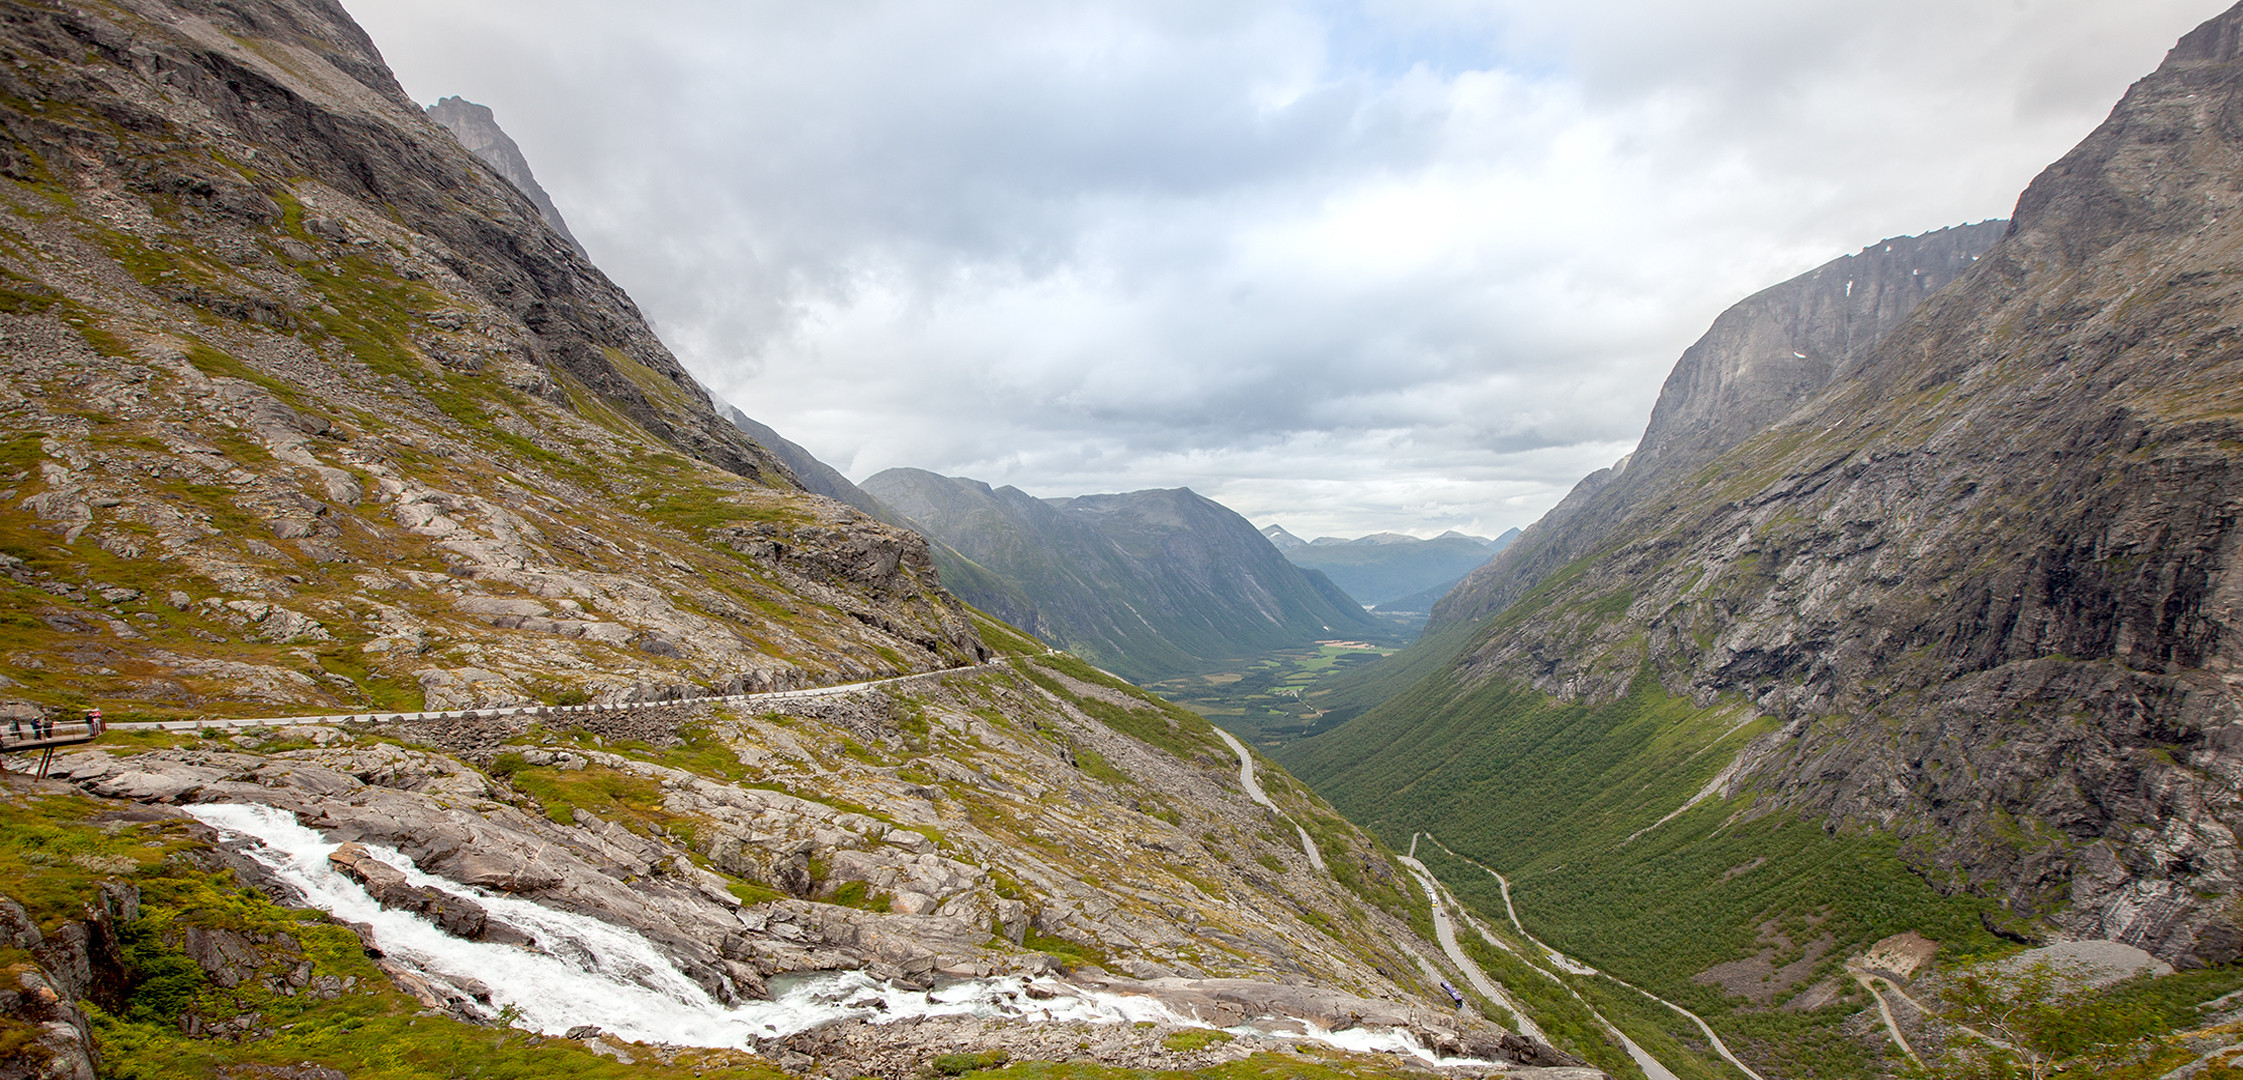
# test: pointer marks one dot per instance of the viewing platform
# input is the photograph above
(41, 737)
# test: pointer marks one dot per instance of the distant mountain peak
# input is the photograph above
(1285, 541)
(476, 127)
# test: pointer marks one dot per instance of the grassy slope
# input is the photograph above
(1550, 793)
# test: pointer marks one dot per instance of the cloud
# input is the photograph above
(1348, 265)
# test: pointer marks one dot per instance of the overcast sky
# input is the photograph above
(1346, 266)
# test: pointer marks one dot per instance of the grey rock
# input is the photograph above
(477, 129)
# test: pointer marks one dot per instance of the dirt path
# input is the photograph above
(1892, 1027)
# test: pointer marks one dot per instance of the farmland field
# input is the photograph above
(1271, 699)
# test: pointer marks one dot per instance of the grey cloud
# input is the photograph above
(1409, 264)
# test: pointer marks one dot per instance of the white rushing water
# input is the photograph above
(585, 971)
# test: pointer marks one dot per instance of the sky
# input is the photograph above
(1348, 266)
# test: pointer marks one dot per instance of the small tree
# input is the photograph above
(2032, 1023)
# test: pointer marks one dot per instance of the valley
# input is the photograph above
(1273, 698)
(486, 697)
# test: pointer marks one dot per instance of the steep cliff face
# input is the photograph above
(307, 410)
(1151, 583)
(1986, 580)
(1777, 349)
(477, 129)
(1761, 361)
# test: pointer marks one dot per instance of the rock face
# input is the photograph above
(1987, 577)
(65, 967)
(478, 130)
(308, 410)
(1151, 584)
(1761, 360)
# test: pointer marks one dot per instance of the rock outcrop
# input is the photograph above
(477, 129)
(66, 966)
(1759, 362)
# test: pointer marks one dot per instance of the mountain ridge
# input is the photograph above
(1974, 594)
(309, 412)
(1149, 583)
(1380, 568)
(476, 127)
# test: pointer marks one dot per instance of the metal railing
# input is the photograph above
(43, 736)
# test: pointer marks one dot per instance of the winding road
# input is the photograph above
(1253, 786)
(1651, 1066)
(1445, 933)
(1578, 968)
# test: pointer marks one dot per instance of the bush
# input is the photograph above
(961, 1064)
(1190, 1039)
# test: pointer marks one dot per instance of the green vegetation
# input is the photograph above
(1568, 800)
(1069, 952)
(1154, 720)
(1005, 638)
(1184, 1042)
(609, 793)
(961, 1064)
(54, 849)
(2054, 1022)
(1351, 690)
(1272, 698)
(857, 894)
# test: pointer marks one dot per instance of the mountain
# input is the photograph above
(1282, 540)
(813, 474)
(1935, 635)
(477, 129)
(321, 445)
(1423, 601)
(1385, 567)
(991, 592)
(1151, 584)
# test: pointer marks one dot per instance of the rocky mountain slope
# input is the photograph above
(477, 129)
(1388, 567)
(1151, 583)
(1758, 363)
(813, 474)
(1036, 828)
(308, 411)
(311, 410)
(1963, 604)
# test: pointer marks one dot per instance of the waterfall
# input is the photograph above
(585, 971)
